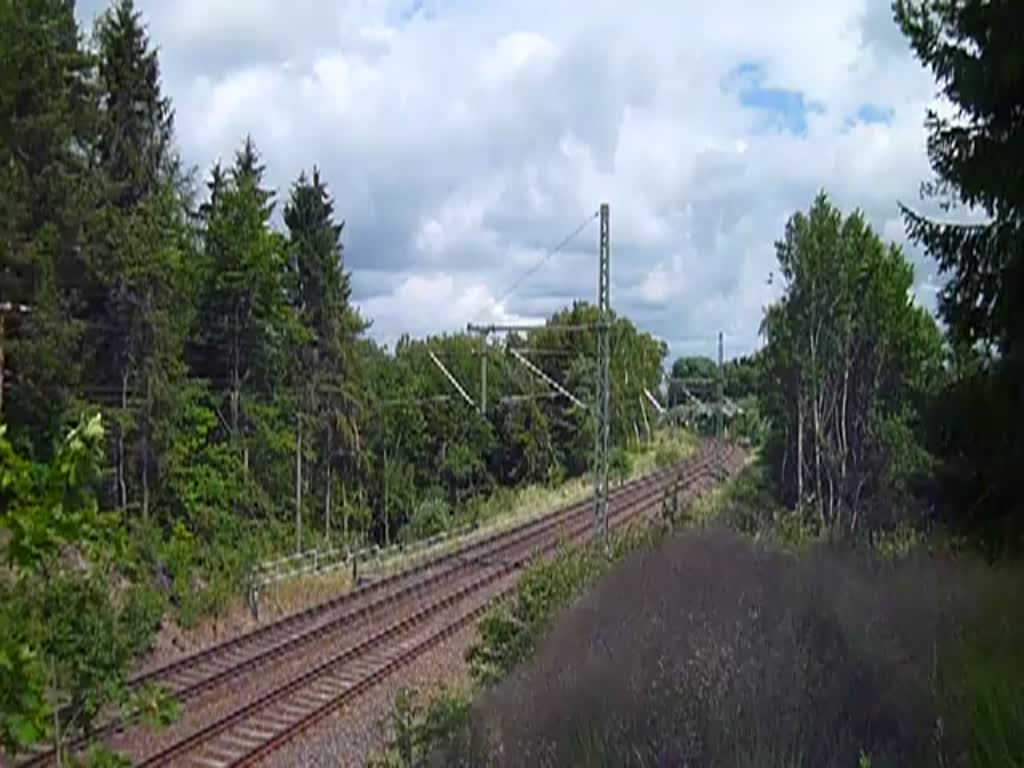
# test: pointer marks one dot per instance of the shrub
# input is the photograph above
(897, 543)
(667, 455)
(430, 518)
(418, 731)
(508, 635)
(620, 465)
(713, 650)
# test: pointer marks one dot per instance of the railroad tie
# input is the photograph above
(293, 710)
(273, 722)
(222, 750)
(329, 688)
(239, 739)
(256, 734)
(209, 762)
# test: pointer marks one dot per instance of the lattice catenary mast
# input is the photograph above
(601, 402)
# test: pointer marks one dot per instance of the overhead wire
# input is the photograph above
(543, 260)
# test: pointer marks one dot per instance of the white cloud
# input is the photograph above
(463, 140)
(437, 302)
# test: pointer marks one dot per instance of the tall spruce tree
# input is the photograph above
(47, 197)
(139, 337)
(330, 385)
(977, 154)
(246, 327)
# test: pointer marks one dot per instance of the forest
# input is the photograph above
(186, 385)
(215, 344)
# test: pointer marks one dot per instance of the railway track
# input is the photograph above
(432, 600)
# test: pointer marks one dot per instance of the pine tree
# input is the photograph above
(330, 385)
(245, 326)
(977, 153)
(47, 196)
(139, 336)
(136, 146)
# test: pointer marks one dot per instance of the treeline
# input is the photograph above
(222, 350)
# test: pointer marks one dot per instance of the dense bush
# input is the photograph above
(431, 517)
(508, 635)
(715, 651)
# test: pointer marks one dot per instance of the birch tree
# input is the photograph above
(848, 353)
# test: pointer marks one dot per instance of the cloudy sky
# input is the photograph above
(462, 139)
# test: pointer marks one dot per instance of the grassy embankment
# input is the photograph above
(505, 508)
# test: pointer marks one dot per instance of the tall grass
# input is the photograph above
(715, 650)
(982, 673)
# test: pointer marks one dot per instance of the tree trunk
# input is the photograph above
(146, 448)
(236, 382)
(1, 366)
(799, 448)
(327, 505)
(329, 473)
(344, 513)
(816, 425)
(122, 488)
(387, 526)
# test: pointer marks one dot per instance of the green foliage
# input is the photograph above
(70, 648)
(698, 375)
(897, 543)
(668, 454)
(203, 473)
(419, 730)
(749, 425)
(430, 518)
(980, 676)
(46, 508)
(620, 465)
(849, 364)
(748, 503)
(975, 150)
(742, 376)
(24, 715)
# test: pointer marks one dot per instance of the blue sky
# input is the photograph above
(782, 109)
(462, 139)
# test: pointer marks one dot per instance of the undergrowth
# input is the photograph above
(203, 574)
(770, 647)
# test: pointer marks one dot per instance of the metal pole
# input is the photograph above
(298, 486)
(601, 404)
(483, 374)
(721, 388)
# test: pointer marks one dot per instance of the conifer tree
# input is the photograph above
(977, 154)
(47, 119)
(139, 336)
(330, 386)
